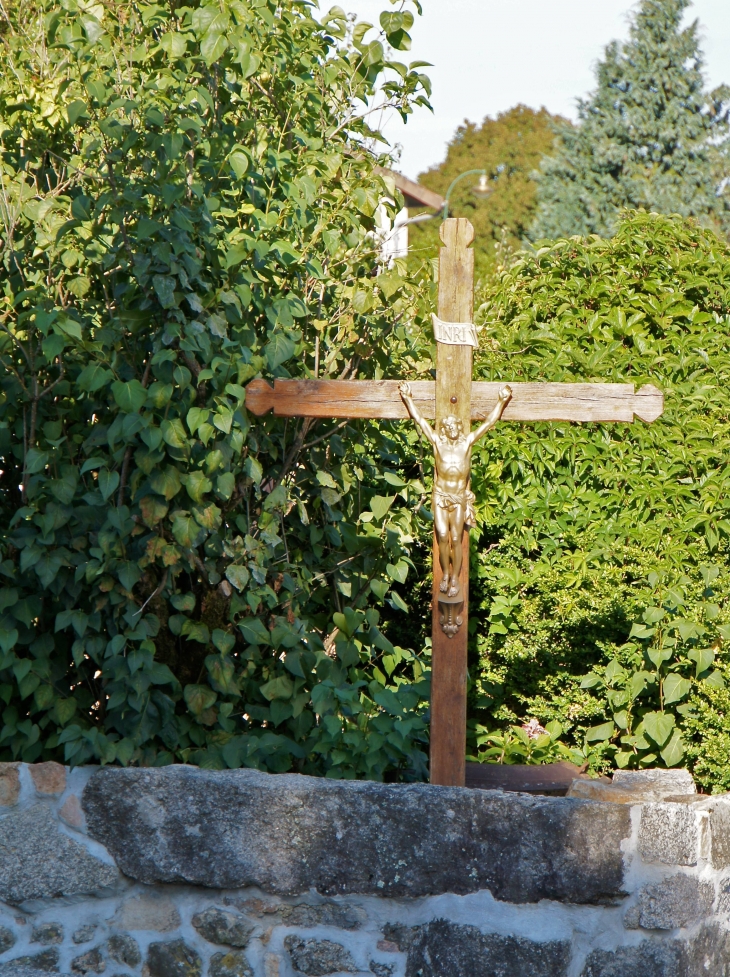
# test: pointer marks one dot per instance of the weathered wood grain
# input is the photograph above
(380, 399)
(447, 758)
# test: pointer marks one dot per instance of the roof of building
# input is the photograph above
(415, 195)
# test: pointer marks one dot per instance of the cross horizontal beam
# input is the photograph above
(380, 399)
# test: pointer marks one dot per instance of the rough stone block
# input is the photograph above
(398, 936)
(645, 960)
(662, 782)
(9, 784)
(173, 959)
(706, 955)
(305, 915)
(39, 963)
(39, 862)
(47, 934)
(48, 778)
(72, 814)
(381, 969)
(231, 964)
(124, 949)
(224, 928)
(148, 913)
(669, 834)
(84, 934)
(677, 901)
(288, 834)
(16, 968)
(445, 949)
(317, 958)
(7, 939)
(91, 962)
(720, 834)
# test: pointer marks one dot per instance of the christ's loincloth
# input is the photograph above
(450, 502)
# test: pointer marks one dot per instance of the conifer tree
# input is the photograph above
(650, 136)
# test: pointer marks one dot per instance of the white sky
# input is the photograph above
(489, 55)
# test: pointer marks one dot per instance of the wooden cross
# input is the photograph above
(453, 393)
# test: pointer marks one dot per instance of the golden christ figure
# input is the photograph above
(453, 501)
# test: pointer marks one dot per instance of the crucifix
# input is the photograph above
(453, 400)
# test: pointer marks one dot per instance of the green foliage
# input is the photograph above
(648, 685)
(519, 744)
(649, 136)
(509, 148)
(586, 528)
(186, 205)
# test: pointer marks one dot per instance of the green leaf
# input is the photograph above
(185, 529)
(8, 639)
(658, 726)
(108, 483)
(278, 688)
(715, 680)
(130, 397)
(166, 482)
(164, 286)
(173, 44)
(224, 641)
(195, 631)
(380, 504)
(675, 688)
(704, 657)
(603, 732)
(238, 162)
(238, 576)
(222, 675)
(199, 698)
(173, 433)
(94, 377)
(197, 486)
(278, 350)
(212, 47)
(76, 110)
(673, 752)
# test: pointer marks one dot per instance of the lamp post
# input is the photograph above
(481, 189)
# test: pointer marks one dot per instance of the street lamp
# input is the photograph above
(481, 189)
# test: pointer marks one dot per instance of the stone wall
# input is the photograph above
(181, 872)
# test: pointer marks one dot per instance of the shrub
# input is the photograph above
(186, 205)
(592, 533)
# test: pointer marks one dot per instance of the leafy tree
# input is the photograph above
(509, 148)
(649, 136)
(186, 205)
(602, 582)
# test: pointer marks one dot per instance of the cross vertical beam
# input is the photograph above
(453, 396)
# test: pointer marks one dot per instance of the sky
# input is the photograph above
(489, 55)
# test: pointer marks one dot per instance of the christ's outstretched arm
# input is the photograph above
(405, 392)
(505, 395)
